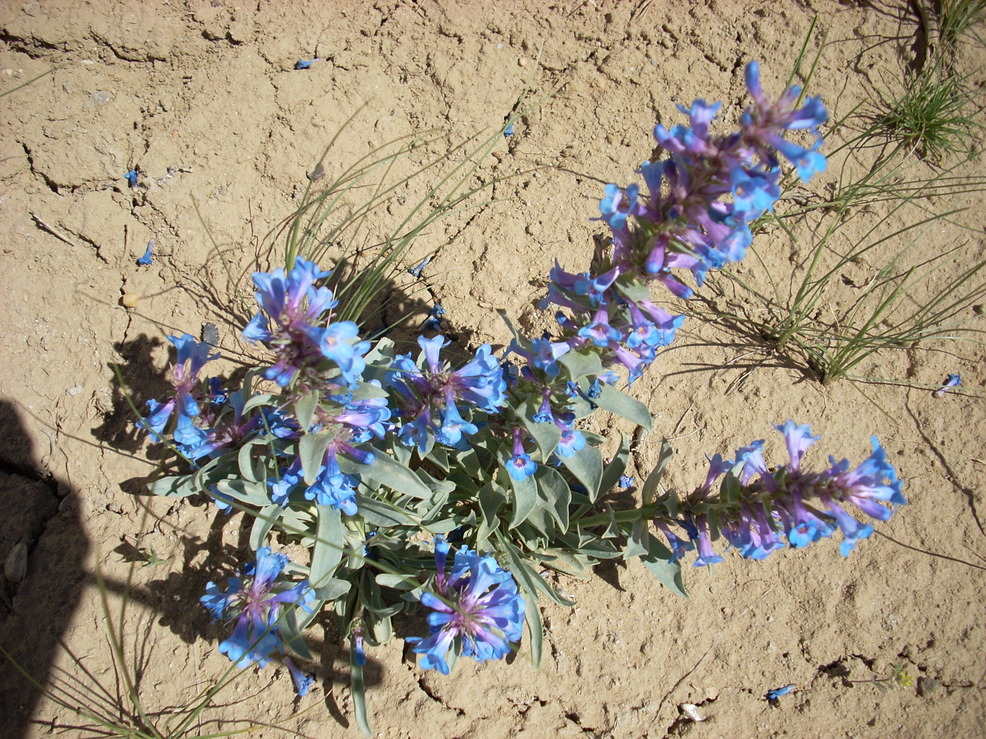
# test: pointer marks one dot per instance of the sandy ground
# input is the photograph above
(202, 97)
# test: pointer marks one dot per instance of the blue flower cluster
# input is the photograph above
(757, 506)
(433, 396)
(477, 603)
(255, 601)
(695, 216)
(304, 347)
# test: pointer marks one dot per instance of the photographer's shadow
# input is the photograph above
(42, 548)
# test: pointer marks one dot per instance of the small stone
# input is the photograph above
(926, 686)
(15, 567)
(522, 62)
(210, 334)
(690, 711)
(98, 99)
(129, 300)
(74, 390)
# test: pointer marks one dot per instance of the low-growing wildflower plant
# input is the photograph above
(370, 458)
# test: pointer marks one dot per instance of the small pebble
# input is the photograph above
(690, 710)
(73, 391)
(210, 334)
(15, 567)
(129, 300)
(98, 99)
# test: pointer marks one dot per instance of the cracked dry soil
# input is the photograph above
(202, 97)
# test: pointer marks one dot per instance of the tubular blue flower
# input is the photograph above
(782, 113)
(429, 394)
(798, 438)
(520, 465)
(571, 442)
(332, 486)
(706, 554)
(289, 479)
(256, 601)
(950, 381)
(477, 604)
(453, 427)
(619, 203)
(599, 331)
(302, 681)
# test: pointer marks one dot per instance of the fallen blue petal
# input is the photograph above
(131, 177)
(950, 381)
(508, 131)
(438, 311)
(305, 63)
(776, 693)
(146, 259)
(416, 271)
(625, 481)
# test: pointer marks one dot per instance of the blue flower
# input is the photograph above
(618, 204)
(131, 177)
(950, 381)
(571, 442)
(430, 395)
(333, 487)
(255, 601)
(520, 465)
(305, 63)
(477, 605)
(776, 693)
(298, 337)
(145, 260)
(302, 681)
(188, 389)
(453, 427)
(416, 271)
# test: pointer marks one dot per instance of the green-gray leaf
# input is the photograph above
(587, 465)
(329, 544)
(615, 469)
(386, 471)
(623, 405)
(556, 495)
(380, 513)
(581, 364)
(525, 499)
(649, 492)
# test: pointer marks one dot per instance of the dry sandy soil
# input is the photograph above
(202, 97)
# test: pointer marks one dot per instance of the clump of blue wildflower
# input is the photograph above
(257, 601)
(756, 508)
(350, 449)
(476, 605)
